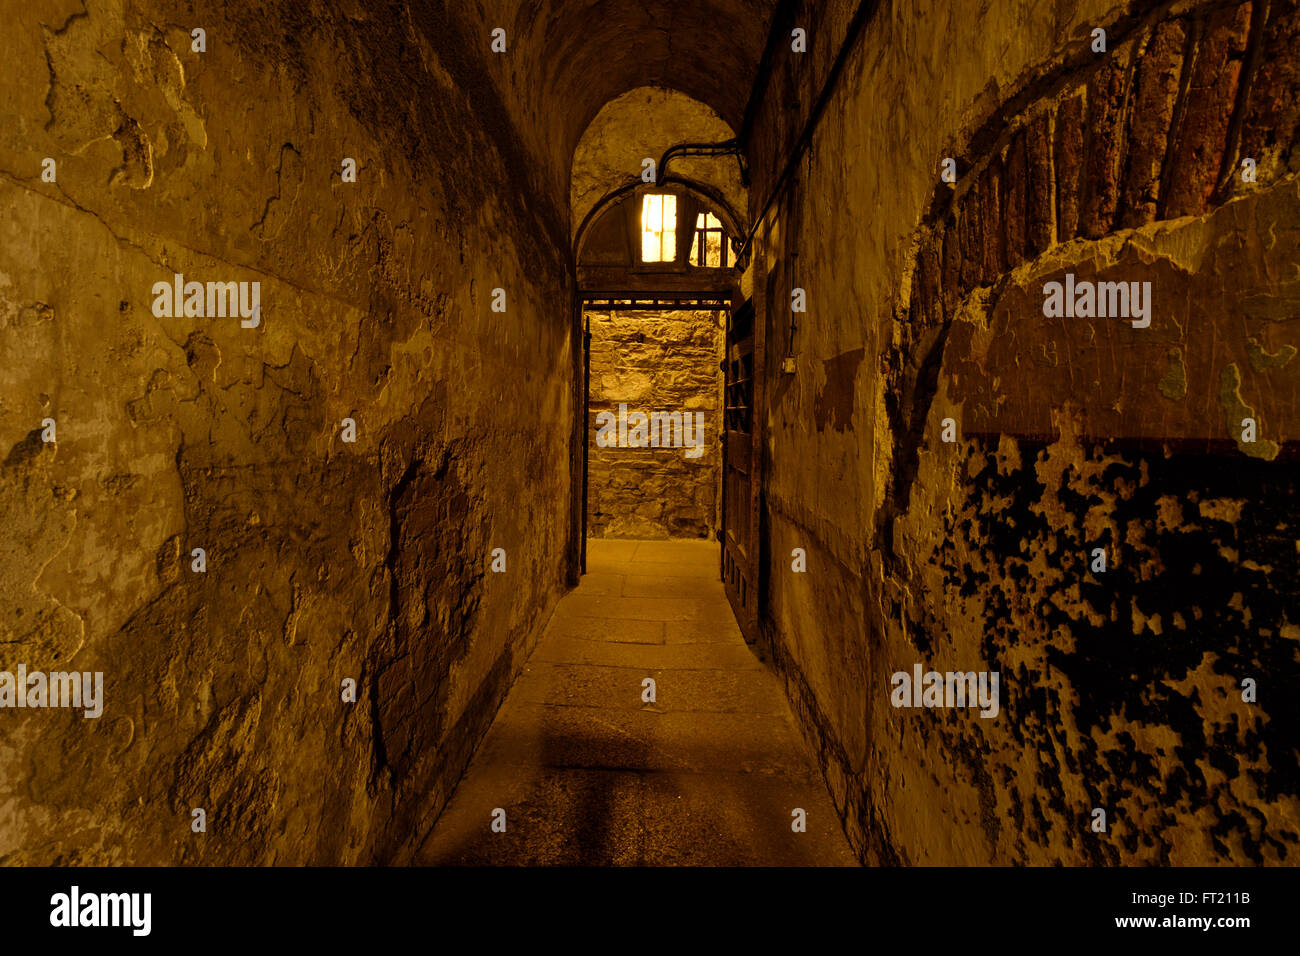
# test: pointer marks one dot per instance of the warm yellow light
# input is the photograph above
(658, 228)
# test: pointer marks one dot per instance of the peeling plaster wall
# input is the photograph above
(325, 560)
(1122, 689)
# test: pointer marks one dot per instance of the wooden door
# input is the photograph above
(740, 469)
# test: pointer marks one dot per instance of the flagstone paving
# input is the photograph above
(590, 773)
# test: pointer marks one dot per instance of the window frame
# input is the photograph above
(644, 199)
(688, 206)
(699, 240)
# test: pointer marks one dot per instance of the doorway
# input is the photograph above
(653, 410)
(668, 374)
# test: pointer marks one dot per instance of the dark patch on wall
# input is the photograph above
(1186, 588)
(834, 403)
(27, 449)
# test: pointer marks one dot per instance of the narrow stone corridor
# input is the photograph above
(389, 389)
(587, 773)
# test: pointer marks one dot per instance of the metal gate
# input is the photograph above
(740, 469)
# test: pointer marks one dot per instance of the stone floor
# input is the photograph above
(587, 773)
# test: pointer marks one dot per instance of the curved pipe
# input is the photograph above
(728, 147)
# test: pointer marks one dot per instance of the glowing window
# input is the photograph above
(709, 243)
(659, 228)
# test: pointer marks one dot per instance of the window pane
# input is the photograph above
(713, 256)
(658, 227)
(649, 246)
(650, 215)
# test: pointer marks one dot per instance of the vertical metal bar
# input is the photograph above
(586, 420)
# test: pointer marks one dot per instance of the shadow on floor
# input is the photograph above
(590, 774)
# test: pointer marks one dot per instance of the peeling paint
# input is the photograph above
(1173, 385)
(1262, 360)
(1236, 411)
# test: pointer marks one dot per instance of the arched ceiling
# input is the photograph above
(584, 53)
(565, 59)
(708, 49)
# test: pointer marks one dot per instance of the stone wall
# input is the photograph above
(654, 361)
(1121, 689)
(326, 559)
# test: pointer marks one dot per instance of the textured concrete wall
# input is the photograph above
(326, 560)
(1120, 689)
(655, 361)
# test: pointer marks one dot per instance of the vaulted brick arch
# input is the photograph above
(1097, 147)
